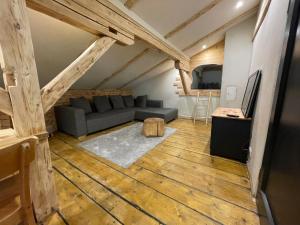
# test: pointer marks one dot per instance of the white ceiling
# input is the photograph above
(57, 44)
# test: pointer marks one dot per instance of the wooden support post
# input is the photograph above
(64, 80)
(21, 81)
(185, 78)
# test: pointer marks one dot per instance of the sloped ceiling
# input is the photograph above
(57, 44)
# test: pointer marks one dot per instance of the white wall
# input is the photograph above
(161, 88)
(266, 54)
(237, 59)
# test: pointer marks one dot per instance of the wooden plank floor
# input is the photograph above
(177, 182)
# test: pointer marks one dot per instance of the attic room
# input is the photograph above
(149, 112)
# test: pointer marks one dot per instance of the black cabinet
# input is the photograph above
(230, 136)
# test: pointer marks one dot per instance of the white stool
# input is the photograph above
(203, 104)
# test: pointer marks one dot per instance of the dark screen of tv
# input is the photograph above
(251, 94)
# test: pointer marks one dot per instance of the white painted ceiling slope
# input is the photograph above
(57, 44)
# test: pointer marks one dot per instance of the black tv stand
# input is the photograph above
(230, 134)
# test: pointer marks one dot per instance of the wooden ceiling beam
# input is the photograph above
(5, 103)
(116, 16)
(121, 17)
(122, 68)
(193, 18)
(224, 27)
(144, 73)
(130, 3)
(181, 67)
(64, 80)
(81, 17)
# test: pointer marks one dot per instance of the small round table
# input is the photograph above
(154, 127)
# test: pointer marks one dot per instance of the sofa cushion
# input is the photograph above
(100, 121)
(129, 101)
(102, 104)
(117, 102)
(141, 101)
(167, 114)
(81, 103)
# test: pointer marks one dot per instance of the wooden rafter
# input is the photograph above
(21, 82)
(81, 17)
(130, 3)
(122, 68)
(144, 73)
(193, 18)
(64, 80)
(187, 22)
(142, 32)
(224, 27)
(5, 103)
(117, 17)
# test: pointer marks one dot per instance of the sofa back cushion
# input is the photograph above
(129, 101)
(141, 101)
(102, 104)
(117, 102)
(81, 103)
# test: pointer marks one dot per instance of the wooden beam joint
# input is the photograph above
(182, 66)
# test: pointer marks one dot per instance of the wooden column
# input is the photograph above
(186, 80)
(21, 81)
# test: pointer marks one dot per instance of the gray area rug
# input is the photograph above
(124, 146)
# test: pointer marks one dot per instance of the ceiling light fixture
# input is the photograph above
(204, 46)
(239, 4)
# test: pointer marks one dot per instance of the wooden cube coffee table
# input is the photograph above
(154, 127)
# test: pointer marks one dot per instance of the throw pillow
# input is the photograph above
(102, 103)
(129, 101)
(141, 101)
(81, 103)
(117, 102)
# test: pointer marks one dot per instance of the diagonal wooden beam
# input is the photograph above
(118, 18)
(5, 103)
(183, 78)
(193, 18)
(171, 33)
(224, 27)
(183, 68)
(64, 80)
(81, 17)
(122, 68)
(130, 3)
(145, 72)
(119, 15)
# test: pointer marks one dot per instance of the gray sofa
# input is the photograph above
(83, 117)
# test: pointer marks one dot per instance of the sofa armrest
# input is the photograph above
(155, 103)
(71, 120)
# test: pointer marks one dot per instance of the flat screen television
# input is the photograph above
(250, 95)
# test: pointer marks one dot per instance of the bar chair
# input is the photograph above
(15, 200)
(203, 104)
